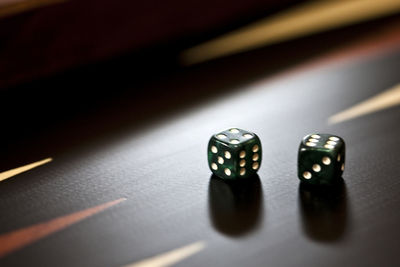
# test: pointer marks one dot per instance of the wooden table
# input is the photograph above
(126, 177)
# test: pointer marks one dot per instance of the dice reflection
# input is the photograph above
(324, 211)
(235, 205)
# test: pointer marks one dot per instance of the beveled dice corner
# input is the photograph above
(234, 154)
(321, 159)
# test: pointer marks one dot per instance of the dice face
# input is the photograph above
(234, 154)
(321, 159)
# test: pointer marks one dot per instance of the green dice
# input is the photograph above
(321, 159)
(234, 154)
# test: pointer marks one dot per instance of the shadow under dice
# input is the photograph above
(234, 153)
(321, 159)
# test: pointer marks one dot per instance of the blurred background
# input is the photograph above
(63, 59)
(121, 97)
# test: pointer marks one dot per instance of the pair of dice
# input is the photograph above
(237, 153)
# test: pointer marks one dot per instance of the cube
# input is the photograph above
(321, 159)
(234, 154)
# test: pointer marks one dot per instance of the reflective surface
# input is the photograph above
(235, 206)
(151, 151)
(324, 211)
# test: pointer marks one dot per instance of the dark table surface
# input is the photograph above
(148, 152)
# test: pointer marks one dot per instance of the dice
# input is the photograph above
(321, 159)
(234, 154)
